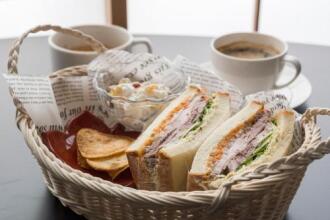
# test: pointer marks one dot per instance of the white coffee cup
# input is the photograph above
(64, 50)
(257, 74)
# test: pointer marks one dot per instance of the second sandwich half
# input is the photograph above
(162, 156)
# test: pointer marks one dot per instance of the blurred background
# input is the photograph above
(302, 21)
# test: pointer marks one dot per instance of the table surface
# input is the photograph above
(23, 194)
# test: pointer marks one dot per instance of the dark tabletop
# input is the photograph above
(23, 195)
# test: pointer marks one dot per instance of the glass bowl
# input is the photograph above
(137, 115)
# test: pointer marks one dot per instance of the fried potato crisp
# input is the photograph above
(93, 144)
(115, 173)
(82, 161)
(112, 163)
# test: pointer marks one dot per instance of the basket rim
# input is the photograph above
(47, 153)
(195, 198)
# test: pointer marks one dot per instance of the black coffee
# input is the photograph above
(248, 50)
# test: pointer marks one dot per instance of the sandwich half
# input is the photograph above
(249, 138)
(162, 155)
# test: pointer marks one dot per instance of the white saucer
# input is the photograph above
(297, 93)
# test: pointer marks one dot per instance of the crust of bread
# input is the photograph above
(280, 145)
(175, 159)
(143, 176)
(212, 148)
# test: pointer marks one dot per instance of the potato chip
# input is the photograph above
(82, 161)
(94, 144)
(112, 163)
(115, 173)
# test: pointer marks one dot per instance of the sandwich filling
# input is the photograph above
(248, 144)
(183, 123)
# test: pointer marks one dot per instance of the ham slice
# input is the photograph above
(182, 121)
(243, 144)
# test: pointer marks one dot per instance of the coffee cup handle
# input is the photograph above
(141, 40)
(290, 60)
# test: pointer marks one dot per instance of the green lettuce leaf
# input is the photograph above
(260, 149)
(199, 121)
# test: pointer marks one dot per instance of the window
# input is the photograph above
(302, 21)
(186, 17)
(295, 20)
(16, 16)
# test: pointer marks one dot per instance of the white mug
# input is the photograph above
(257, 74)
(63, 46)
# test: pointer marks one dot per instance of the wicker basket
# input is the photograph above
(263, 193)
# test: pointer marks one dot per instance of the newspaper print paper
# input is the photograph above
(67, 97)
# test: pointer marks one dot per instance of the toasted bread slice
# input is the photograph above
(175, 158)
(213, 147)
(145, 177)
(279, 146)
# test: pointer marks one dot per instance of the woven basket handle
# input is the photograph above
(309, 119)
(14, 52)
(312, 113)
